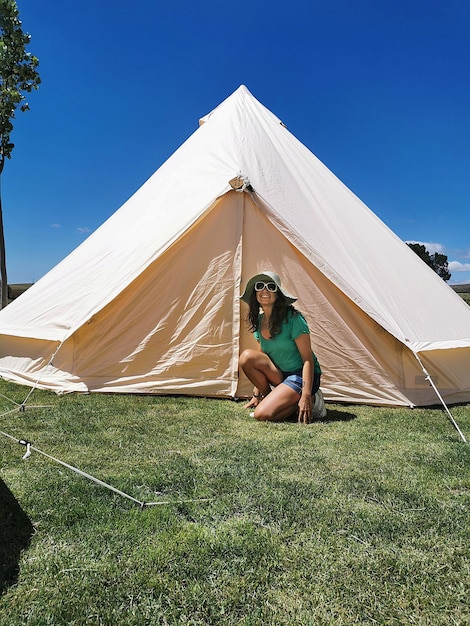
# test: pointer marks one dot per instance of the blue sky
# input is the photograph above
(379, 90)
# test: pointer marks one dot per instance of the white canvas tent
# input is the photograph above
(149, 303)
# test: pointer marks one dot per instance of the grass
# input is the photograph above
(463, 291)
(359, 519)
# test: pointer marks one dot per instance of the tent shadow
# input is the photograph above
(16, 531)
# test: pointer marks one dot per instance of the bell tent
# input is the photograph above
(149, 303)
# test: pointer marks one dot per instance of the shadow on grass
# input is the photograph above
(16, 531)
(332, 415)
(337, 416)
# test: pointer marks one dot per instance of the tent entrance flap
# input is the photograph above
(359, 359)
(175, 328)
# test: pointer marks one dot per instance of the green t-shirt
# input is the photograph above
(282, 349)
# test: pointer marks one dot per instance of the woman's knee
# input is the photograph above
(247, 356)
(261, 414)
(266, 412)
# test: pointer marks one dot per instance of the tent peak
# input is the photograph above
(242, 91)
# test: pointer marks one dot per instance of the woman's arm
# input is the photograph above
(304, 346)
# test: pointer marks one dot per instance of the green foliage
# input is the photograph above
(359, 519)
(463, 291)
(18, 73)
(437, 262)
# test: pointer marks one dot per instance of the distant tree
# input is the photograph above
(441, 266)
(438, 262)
(18, 75)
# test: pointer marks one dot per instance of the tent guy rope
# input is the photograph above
(142, 504)
(446, 408)
(29, 448)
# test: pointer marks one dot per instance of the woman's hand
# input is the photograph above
(252, 403)
(255, 400)
(305, 409)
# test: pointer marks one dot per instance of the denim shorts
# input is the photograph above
(294, 381)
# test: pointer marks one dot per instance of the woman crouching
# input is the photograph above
(284, 370)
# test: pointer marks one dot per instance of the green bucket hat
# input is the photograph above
(266, 276)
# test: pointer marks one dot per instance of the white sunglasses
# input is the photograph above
(260, 285)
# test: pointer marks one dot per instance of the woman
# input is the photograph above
(284, 371)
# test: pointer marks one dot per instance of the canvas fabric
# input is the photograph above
(150, 302)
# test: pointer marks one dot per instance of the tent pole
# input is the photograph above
(431, 382)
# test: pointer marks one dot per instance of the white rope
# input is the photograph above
(431, 382)
(27, 454)
(30, 447)
(9, 399)
(23, 404)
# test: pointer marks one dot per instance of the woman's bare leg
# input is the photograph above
(260, 370)
(280, 404)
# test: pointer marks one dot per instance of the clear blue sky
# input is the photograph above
(379, 90)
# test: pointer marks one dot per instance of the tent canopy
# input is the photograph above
(149, 303)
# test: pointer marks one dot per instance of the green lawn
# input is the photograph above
(360, 519)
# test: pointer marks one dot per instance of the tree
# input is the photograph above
(18, 75)
(437, 262)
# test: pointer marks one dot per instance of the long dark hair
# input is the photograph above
(280, 313)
